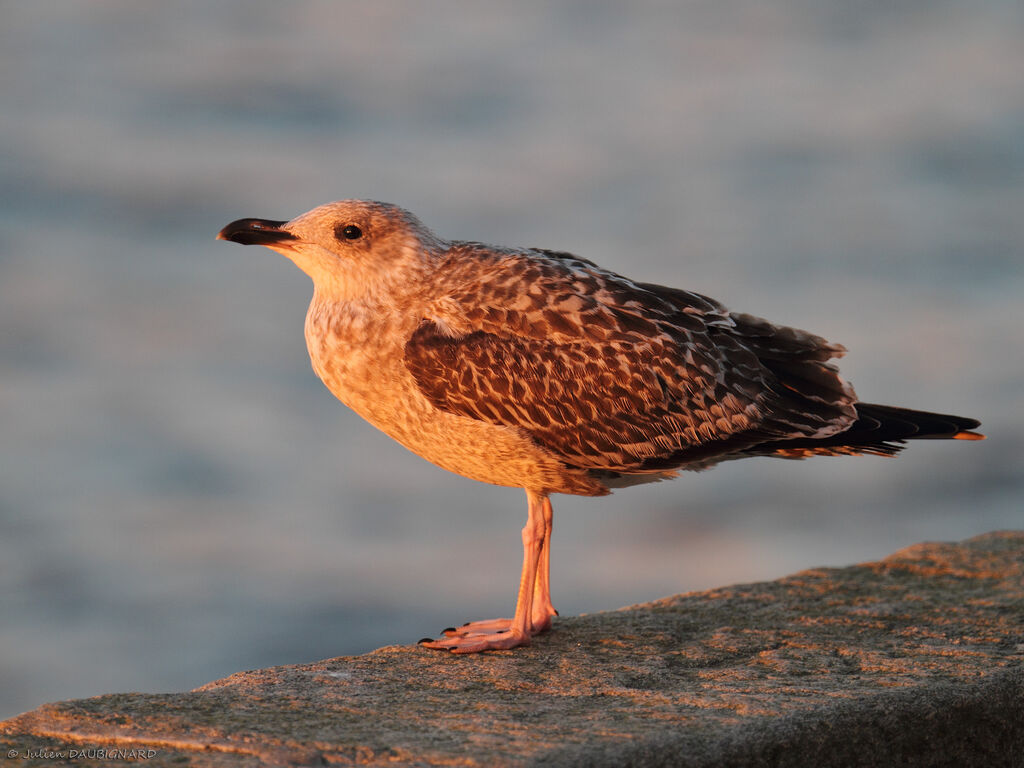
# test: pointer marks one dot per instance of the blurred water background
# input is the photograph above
(180, 498)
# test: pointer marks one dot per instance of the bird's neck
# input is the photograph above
(367, 321)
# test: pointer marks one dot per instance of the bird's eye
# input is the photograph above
(348, 232)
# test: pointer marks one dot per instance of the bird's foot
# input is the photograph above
(457, 642)
(489, 635)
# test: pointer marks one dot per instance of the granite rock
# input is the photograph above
(915, 660)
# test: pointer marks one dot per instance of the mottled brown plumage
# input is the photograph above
(541, 370)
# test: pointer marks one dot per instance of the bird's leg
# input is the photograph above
(543, 610)
(509, 633)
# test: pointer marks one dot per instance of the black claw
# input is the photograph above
(449, 629)
(467, 623)
(557, 613)
(424, 640)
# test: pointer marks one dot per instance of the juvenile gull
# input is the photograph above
(540, 370)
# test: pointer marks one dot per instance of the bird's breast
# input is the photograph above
(360, 357)
(358, 353)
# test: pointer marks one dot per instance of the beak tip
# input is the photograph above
(255, 232)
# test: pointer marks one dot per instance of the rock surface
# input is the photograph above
(914, 660)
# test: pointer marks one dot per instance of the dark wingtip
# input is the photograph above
(255, 232)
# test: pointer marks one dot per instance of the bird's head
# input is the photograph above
(350, 248)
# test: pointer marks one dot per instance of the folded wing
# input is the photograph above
(616, 376)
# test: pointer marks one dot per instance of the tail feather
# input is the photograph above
(926, 425)
(880, 430)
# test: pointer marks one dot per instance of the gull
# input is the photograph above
(540, 370)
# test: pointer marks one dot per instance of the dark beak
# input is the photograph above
(255, 232)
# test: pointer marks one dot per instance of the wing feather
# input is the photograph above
(613, 375)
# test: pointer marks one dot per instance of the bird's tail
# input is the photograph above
(880, 430)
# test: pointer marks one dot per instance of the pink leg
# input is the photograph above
(533, 605)
(543, 610)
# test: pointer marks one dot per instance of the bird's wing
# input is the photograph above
(608, 374)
